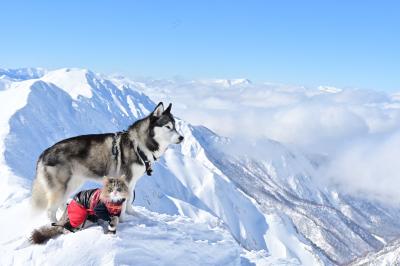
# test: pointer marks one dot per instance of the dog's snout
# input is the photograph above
(181, 138)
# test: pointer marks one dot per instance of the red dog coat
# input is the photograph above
(88, 202)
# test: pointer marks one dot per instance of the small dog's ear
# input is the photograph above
(168, 110)
(158, 110)
(106, 179)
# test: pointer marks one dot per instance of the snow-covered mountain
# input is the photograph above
(208, 203)
(388, 256)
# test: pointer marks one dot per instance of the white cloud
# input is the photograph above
(369, 167)
(350, 125)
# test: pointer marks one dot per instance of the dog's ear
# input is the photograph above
(106, 179)
(168, 110)
(158, 110)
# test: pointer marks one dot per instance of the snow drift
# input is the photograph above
(206, 203)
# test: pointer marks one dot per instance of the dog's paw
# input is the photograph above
(110, 232)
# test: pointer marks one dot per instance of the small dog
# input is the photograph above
(65, 166)
(91, 205)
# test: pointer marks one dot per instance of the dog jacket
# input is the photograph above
(87, 205)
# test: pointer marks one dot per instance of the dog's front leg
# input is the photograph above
(129, 208)
(112, 225)
(122, 217)
(126, 209)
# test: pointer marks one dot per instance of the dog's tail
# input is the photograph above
(44, 233)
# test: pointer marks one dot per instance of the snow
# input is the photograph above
(198, 241)
(387, 256)
(74, 81)
(11, 100)
(147, 238)
(210, 201)
(22, 73)
(227, 83)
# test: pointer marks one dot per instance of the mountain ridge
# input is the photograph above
(267, 203)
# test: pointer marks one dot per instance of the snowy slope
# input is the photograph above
(338, 227)
(36, 108)
(146, 239)
(43, 113)
(235, 203)
(388, 256)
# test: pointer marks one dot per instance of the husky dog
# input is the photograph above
(65, 166)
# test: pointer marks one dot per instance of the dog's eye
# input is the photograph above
(168, 127)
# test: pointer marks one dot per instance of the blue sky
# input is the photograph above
(311, 43)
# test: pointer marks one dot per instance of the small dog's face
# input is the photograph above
(114, 189)
(163, 127)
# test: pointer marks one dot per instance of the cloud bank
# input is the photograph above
(368, 167)
(358, 130)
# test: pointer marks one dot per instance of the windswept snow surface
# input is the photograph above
(38, 113)
(10, 101)
(74, 81)
(205, 204)
(147, 238)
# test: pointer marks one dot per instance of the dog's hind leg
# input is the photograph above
(40, 187)
(54, 200)
(58, 188)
